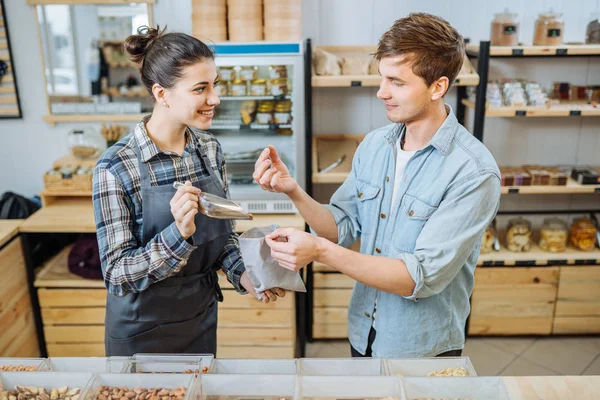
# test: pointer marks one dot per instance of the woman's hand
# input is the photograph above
(267, 295)
(184, 207)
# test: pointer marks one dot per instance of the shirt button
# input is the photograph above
(378, 250)
(382, 216)
(360, 195)
(387, 178)
(367, 315)
(411, 213)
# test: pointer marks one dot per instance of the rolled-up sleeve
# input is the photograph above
(452, 233)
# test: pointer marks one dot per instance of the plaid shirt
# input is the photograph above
(127, 264)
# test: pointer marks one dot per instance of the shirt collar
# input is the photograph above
(149, 149)
(440, 141)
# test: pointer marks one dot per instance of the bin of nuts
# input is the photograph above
(142, 386)
(488, 241)
(518, 235)
(8, 364)
(44, 385)
(583, 234)
(168, 367)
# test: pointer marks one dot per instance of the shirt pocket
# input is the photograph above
(413, 216)
(368, 204)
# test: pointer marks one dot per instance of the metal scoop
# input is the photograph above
(217, 207)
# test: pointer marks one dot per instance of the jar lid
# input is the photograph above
(555, 223)
(227, 67)
(238, 82)
(520, 221)
(506, 14)
(278, 66)
(249, 67)
(278, 81)
(584, 222)
(259, 82)
(550, 14)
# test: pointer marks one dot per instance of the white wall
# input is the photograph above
(28, 146)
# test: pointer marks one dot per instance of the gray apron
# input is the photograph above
(179, 313)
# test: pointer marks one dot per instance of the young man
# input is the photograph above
(420, 195)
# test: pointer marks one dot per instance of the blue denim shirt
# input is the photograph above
(449, 193)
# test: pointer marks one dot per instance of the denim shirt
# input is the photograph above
(449, 193)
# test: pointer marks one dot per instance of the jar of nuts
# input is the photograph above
(518, 235)
(554, 235)
(583, 234)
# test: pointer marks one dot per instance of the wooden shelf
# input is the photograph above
(529, 111)
(8, 229)
(470, 79)
(59, 118)
(55, 273)
(63, 216)
(375, 80)
(524, 51)
(572, 187)
(539, 257)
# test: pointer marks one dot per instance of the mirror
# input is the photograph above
(85, 68)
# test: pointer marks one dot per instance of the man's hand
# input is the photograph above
(297, 249)
(267, 295)
(277, 178)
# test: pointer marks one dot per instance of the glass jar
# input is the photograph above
(238, 88)
(554, 235)
(279, 87)
(505, 29)
(248, 73)
(264, 115)
(592, 35)
(549, 29)
(488, 240)
(583, 234)
(283, 114)
(258, 87)
(278, 72)
(223, 88)
(85, 143)
(518, 235)
(226, 73)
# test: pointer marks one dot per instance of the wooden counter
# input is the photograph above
(18, 337)
(68, 215)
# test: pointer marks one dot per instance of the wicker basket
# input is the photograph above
(209, 20)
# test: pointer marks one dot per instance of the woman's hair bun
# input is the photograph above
(137, 45)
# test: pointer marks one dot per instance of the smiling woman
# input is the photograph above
(159, 255)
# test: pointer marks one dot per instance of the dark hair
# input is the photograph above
(430, 43)
(163, 56)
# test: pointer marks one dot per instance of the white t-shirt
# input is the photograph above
(402, 158)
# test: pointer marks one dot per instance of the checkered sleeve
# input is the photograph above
(127, 267)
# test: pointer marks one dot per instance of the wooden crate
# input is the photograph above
(513, 301)
(578, 303)
(329, 148)
(18, 336)
(251, 329)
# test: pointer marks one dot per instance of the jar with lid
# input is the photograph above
(583, 234)
(505, 29)
(238, 88)
(258, 87)
(592, 35)
(264, 115)
(248, 73)
(223, 88)
(278, 72)
(554, 235)
(85, 143)
(549, 29)
(279, 87)
(518, 235)
(283, 113)
(226, 73)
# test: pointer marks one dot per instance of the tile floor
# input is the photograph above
(509, 356)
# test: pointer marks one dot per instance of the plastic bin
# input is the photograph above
(238, 387)
(424, 366)
(473, 388)
(349, 387)
(341, 367)
(101, 365)
(40, 364)
(233, 366)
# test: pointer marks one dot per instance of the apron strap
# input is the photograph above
(211, 279)
(204, 159)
